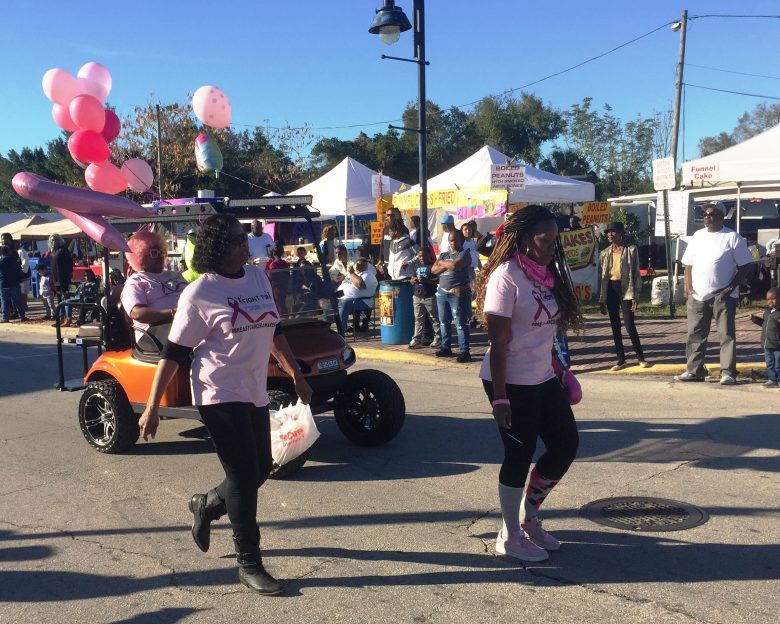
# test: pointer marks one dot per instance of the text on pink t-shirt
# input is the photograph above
(534, 314)
(230, 325)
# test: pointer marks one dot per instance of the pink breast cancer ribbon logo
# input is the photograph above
(542, 308)
(237, 309)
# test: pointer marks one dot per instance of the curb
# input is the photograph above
(399, 357)
(43, 329)
(749, 369)
(668, 370)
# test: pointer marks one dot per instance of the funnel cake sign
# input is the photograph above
(703, 173)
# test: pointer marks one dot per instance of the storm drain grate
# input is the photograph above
(640, 513)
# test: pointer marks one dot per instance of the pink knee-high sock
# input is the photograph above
(537, 490)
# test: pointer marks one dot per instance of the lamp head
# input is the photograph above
(389, 22)
(676, 26)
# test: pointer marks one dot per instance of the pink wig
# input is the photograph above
(140, 243)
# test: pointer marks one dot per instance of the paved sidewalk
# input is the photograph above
(592, 351)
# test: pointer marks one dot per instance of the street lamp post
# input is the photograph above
(389, 23)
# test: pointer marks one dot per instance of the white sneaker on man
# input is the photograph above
(726, 379)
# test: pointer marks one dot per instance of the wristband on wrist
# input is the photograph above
(500, 402)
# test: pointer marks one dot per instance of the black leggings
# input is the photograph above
(241, 433)
(615, 303)
(544, 412)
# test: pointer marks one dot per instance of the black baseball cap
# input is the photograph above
(615, 226)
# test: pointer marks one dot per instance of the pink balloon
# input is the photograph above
(84, 86)
(62, 118)
(100, 78)
(98, 229)
(211, 106)
(138, 174)
(80, 200)
(112, 127)
(59, 86)
(88, 146)
(87, 113)
(105, 177)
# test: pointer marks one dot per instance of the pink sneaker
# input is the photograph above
(519, 547)
(533, 529)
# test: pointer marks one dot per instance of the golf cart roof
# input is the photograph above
(268, 208)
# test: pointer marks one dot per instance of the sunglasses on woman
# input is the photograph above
(156, 252)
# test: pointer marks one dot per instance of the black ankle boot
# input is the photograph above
(205, 508)
(250, 567)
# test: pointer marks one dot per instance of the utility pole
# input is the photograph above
(678, 83)
(159, 155)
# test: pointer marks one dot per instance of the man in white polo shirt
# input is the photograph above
(716, 261)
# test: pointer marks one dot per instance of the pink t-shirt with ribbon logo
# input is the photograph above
(156, 290)
(534, 313)
(230, 324)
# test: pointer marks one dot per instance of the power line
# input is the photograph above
(765, 97)
(508, 91)
(729, 71)
(691, 17)
(568, 69)
(561, 72)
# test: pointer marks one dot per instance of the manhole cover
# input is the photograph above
(644, 514)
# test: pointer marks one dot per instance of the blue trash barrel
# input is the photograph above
(396, 313)
(34, 276)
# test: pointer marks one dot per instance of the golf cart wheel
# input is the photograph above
(370, 410)
(106, 418)
(279, 398)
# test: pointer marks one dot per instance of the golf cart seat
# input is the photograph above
(110, 313)
(149, 347)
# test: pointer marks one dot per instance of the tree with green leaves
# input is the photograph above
(619, 153)
(763, 117)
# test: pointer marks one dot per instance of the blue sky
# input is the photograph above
(301, 61)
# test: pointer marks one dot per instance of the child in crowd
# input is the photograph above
(46, 291)
(424, 298)
(87, 293)
(279, 275)
(770, 338)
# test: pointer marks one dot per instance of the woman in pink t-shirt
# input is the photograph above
(226, 322)
(526, 295)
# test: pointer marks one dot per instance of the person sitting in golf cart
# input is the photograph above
(150, 294)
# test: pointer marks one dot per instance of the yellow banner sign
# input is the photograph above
(469, 203)
(595, 212)
(376, 232)
(579, 247)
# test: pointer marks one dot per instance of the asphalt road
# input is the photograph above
(401, 533)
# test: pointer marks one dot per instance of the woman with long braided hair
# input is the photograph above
(526, 294)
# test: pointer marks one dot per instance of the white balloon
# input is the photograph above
(138, 174)
(100, 76)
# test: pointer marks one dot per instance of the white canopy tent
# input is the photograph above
(754, 161)
(540, 186)
(750, 166)
(345, 190)
(475, 171)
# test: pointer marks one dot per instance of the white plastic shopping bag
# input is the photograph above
(293, 431)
